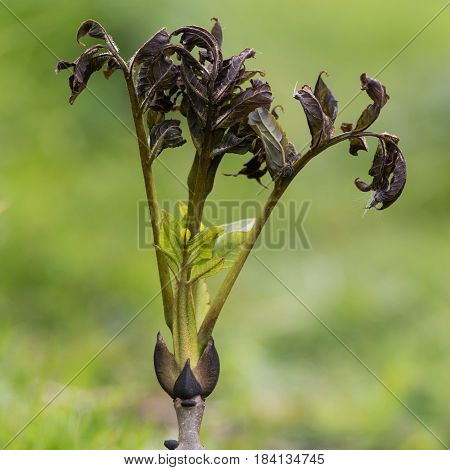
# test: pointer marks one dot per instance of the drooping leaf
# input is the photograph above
(94, 29)
(192, 36)
(326, 98)
(273, 138)
(377, 92)
(258, 95)
(320, 125)
(151, 49)
(92, 60)
(234, 143)
(356, 143)
(388, 173)
(252, 169)
(164, 135)
(111, 66)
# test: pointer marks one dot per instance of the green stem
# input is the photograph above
(150, 189)
(209, 322)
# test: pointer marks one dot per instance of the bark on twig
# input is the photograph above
(189, 422)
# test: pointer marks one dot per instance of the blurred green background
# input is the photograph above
(72, 273)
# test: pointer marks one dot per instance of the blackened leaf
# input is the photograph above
(165, 366)
(164, 135)
(111, 67)
(186, 385)
(230, 74)
(207, 369)
(63, 65)
(377, 92)
(252, 169)
(256, 96)
(364, 187)
(192, 36)
(217, 32)
(396, 184)
(233, 143)
(152, 48)
(320, 126)
(92, 60)
(356, 143)
(95, 30)
(273, 138)
(326, 99)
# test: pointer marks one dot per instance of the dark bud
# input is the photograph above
(186, 385)
(171, 444)
(188, 403)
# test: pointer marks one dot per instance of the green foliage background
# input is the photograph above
(71, 273)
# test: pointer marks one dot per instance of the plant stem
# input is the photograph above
(189, 422)
(209, 322)
(150, 188)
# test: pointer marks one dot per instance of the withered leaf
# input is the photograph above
(234, 143)
(111, 66)
(230, 74)
(320, 126)
(258, 95)
(377, 92)
(252, 169)
(192, 36)
(326, 98)
(356, 143)
(92, 60)
(216, 31)
(94, 29)
(164, 135)
(273, 138)
(151, 49)
(388, 173)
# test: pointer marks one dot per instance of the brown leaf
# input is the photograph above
(94, 29)
(377, 92)
(326, 98)
(165, 366)
(356, 143)
(320, 126)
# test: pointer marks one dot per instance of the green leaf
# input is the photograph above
(170, 238)
(200, 247)
(208, 268)
(234, 236)
(203, 302)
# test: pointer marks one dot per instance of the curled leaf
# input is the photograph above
(216, 31)
(234, 142)
(326, 98)
(388, 173)
(356, 143)
(164, 135)
(377, 92)
(273, 138)
(92, 60)
(94, 29)
(258, 95)
(252, 169)
(320, 125)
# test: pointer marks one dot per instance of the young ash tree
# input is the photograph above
(228, 109)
